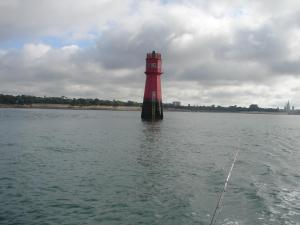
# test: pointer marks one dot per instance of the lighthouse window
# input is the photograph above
(151, 65)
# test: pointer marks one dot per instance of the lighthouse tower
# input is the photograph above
(152, 104)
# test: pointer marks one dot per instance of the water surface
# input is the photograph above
(109, 167)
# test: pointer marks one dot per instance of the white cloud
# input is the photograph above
(34, 52)
(64, 18)
(213, 52)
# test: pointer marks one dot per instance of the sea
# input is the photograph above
(91, 167)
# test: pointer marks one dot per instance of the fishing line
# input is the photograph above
(219, 204)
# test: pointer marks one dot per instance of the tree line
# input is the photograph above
(28, 99)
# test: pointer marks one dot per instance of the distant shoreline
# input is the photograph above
(123, 108)
(71, 107)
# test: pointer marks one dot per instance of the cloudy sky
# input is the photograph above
(214, 52)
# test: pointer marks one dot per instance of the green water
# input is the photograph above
(108, 167)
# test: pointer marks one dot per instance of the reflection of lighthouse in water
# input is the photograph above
(152, 104)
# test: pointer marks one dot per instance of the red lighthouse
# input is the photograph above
(152, 104)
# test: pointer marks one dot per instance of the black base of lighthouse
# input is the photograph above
(152, 110)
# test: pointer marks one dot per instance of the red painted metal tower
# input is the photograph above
(152, 104)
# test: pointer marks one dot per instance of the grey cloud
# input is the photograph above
(119, 48)
(193, 59)
(264, 43)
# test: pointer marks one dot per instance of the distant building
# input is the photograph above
(176, 104)
(287, 107)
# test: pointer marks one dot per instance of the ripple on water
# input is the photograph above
(62, 149)
(283, 204)
(101, 167)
